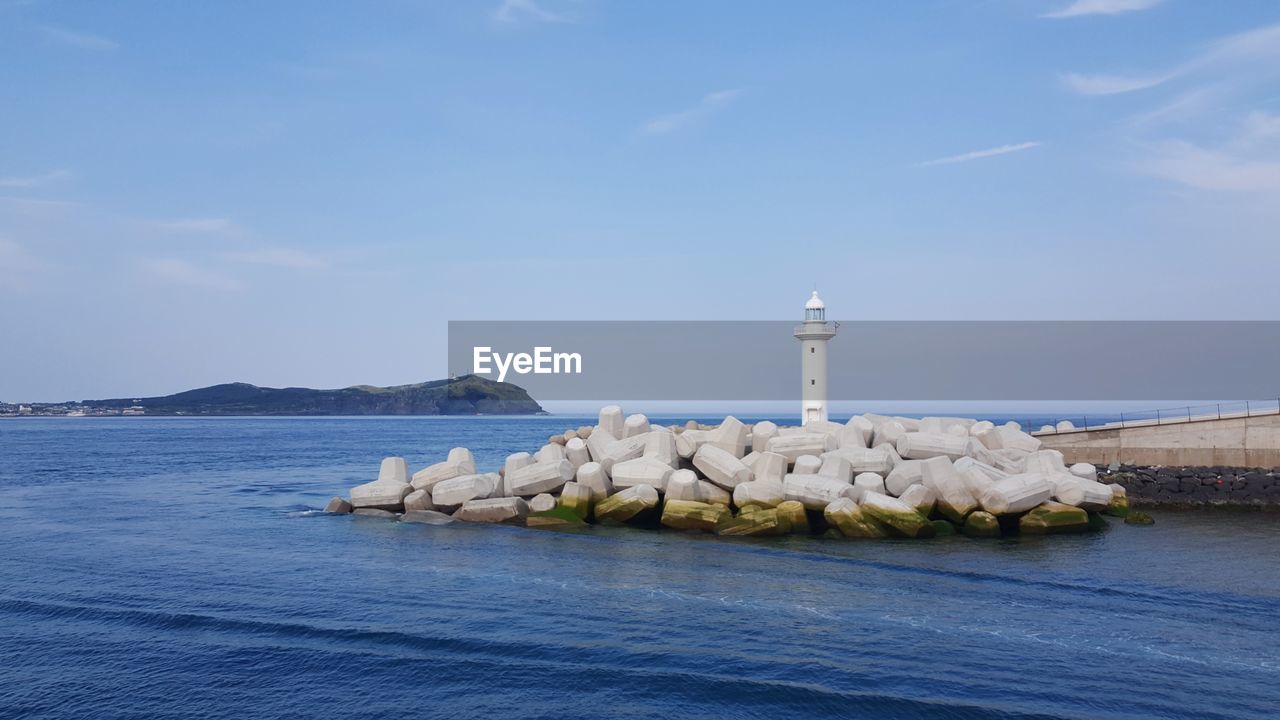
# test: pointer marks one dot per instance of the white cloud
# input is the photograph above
(35, 181)
(289, 258)
(181, 272)
(1080, 8)
(16, 266)
(194, 225)
(84, 41)
(674, 121)
(1111, 84)
(979, 154)
(511, 11)
(1247, 162)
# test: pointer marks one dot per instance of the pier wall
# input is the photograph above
(1240, 442)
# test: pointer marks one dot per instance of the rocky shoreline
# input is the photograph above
(872, 477)
(1197, 487)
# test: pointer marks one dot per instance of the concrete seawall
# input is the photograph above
(1239, 442)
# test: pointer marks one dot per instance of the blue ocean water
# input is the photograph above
(172, 568)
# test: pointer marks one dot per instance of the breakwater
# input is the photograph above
(872, 477)
(1171, 486)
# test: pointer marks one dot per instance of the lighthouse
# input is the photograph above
(813, 335)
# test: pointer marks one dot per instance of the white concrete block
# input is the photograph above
(418, 500)
(459, 462)
(1016, 494)
(394, 470)
(540, 477)
(867, 482)
(542, 502)
(598, 442)
(641, 471)
(980, 427)
(765, 493)
(836, 466)
(1065, 426)
(921, 498)
(877, 460)
(760, 434)
(576, 452)
(793, 446)
(731, 436)
(807, 465)
(815, 492)
(379, 495)
(769, 466)
(612, 421)
(635, 425)
(1079, 492)
(720, 467)
(1045, 462)
(660, 445)
(954, 499)
(452, 493)
(621, 451)
(1009, 437)
(593, 477)
(512, 510)
(922, 446)
(977, 476)
(551, 452)
(888, 432)
(903, 476)
(1085, 471)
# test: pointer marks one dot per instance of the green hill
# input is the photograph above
(466, 395)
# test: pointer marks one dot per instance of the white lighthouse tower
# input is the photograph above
(813, 335)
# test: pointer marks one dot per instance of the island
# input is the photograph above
(463, 395)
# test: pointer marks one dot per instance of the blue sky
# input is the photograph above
(304, 194)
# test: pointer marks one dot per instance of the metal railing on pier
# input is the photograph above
(1158, 416)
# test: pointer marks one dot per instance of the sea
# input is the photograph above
(183, 568)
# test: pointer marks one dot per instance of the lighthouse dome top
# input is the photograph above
(815, 302)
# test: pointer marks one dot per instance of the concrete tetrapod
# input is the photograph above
(448, 495)
(1053, 517)
(954, 499)
(720, 467)
(765, 493)
(867, 482)
(593, 477)
(1016, 494)
(577, 499)
(540, 477)
(901, 518)
(815, 492)
(922, 445)
(624, 505)
(793, 446)
(904, 475)
(845, 515)
(459, 462)
(510, 510)
(921, 498)
(692, 515)
(641, 471)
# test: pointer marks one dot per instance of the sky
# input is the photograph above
(306, 193)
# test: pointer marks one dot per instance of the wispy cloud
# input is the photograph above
(512, 11)
(35, 181)
(1247, 162)
(1080, 8)
(1236, 57)
(709, 104)
(288, 258)
(979, 154)
(1111, 84)
(194, 225)
(187, 274)
(84, 41)
(16, 266)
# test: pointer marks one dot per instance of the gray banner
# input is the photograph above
(920, 360)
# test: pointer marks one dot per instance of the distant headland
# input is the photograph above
(464, 395)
